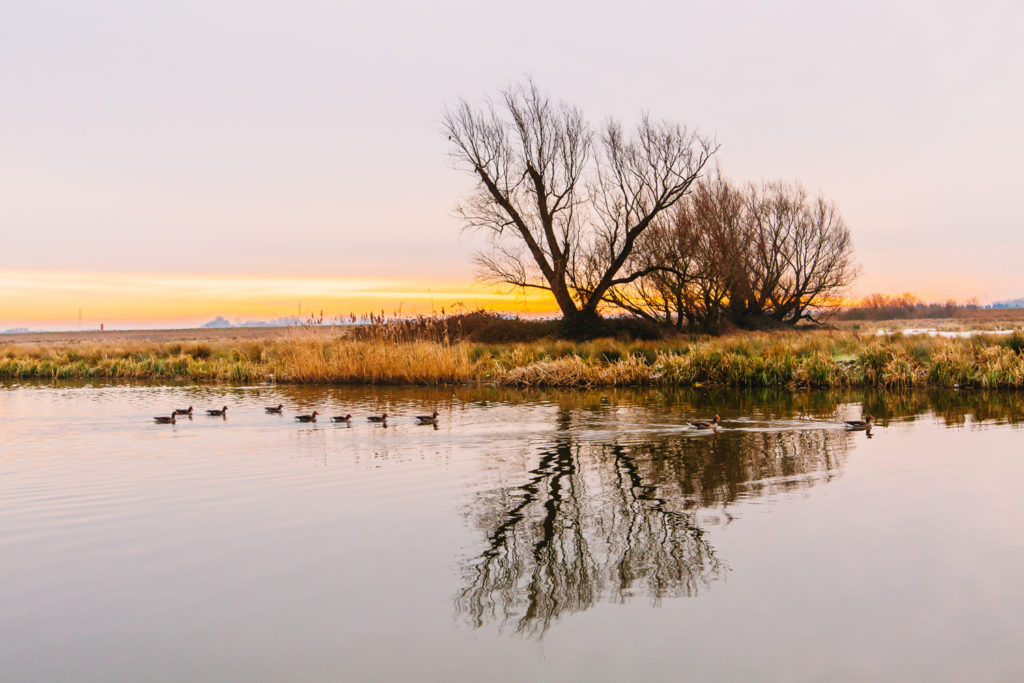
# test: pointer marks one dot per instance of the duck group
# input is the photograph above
(382, 418)
(432, 419)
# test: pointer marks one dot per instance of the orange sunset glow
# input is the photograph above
(53, 299)
(149, 184)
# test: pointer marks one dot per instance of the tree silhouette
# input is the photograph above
(607, 522)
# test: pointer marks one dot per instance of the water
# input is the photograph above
(544, 535)
(949, 334)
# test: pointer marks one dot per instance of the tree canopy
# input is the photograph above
(563, 206)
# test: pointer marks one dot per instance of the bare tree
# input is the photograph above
(767, 252)
(693, 261)
(666, 294)
(562, 209)
(801, 254)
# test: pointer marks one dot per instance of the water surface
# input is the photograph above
(554, 535)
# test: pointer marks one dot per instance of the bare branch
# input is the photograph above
(557, 214)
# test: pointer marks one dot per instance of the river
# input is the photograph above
(528, 535)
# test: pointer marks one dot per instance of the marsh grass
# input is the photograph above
(390, 356)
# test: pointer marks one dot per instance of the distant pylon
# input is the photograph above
(79, 318)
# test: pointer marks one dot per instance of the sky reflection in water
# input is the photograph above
(562, 534)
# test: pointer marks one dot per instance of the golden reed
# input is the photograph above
(312, 355)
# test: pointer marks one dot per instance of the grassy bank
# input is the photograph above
(309, 355)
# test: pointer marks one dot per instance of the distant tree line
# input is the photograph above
(609, 220)
(905, 306)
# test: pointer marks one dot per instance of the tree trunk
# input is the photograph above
(563, 298)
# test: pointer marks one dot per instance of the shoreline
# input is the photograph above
(812, 359)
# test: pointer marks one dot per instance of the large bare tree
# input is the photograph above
(800, 255)
(693, 259)
(753, 255)
(563, 208)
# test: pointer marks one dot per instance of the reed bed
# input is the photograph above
(310, 355)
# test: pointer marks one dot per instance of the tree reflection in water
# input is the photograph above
(607, 521)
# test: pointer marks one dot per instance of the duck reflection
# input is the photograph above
(609, 521)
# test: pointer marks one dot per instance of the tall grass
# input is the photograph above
(311, 355)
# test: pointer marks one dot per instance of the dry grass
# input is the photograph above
(194, 334)
(311, 355)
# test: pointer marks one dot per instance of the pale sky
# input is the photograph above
(241, 155)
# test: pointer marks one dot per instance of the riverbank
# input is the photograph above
(310, 356)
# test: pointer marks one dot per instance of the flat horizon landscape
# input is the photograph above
(984, 320)
(452, 341)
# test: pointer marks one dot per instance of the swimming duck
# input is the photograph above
(163, 420)
(700, 424)
(272, 409)
(859, 424)
(183, 411)
(341, 418)
(223, 412)
(427, 419)
(307, 418)
(383, 417)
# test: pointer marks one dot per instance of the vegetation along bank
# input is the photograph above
(779, 359)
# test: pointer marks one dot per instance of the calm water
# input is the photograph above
(536, 536)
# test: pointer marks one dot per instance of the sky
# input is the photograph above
(164, 163)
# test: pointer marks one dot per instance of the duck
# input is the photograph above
(183, 411)
(223, 412)
(307, 418)
(341, 418)
(427, 419)
(275, 409)
(383, 417)
(164, 420)
(859, 424)
(701, 424)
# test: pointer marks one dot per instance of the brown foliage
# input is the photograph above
(749, 256)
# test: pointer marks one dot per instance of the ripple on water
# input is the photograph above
(277, 546)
